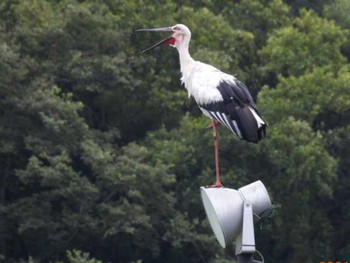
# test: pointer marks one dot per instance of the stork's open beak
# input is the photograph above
(169, 40)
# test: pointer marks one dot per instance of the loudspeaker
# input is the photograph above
(224, 208)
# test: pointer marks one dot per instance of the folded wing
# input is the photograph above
(237, 111)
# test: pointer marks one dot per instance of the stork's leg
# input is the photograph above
(214, 123)
(216, 146)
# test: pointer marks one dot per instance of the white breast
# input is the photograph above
(201, 81)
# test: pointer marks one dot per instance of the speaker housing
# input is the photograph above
(224, 208)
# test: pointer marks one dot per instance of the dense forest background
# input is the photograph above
(102, 154)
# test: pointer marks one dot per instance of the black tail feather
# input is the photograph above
(248, 125)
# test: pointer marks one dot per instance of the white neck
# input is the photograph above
(184, 54)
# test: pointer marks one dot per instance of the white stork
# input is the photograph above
(220, 96)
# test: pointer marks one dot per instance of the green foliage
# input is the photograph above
(338, 10)
(102, 154)
(258, 17)
(77, 256)
(309, 97)
(318, 44)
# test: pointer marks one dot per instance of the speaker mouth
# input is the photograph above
(223, 207)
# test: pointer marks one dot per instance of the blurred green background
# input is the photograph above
(102, 154)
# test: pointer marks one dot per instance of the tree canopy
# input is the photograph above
(102, 153)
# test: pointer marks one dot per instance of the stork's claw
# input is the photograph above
(216, 185)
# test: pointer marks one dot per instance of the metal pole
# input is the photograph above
(245, 242)
(245, 258)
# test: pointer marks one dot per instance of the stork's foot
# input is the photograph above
(218, 184)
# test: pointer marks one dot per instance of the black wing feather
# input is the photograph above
(235, 111)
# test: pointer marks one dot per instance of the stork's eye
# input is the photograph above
(176, 28)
